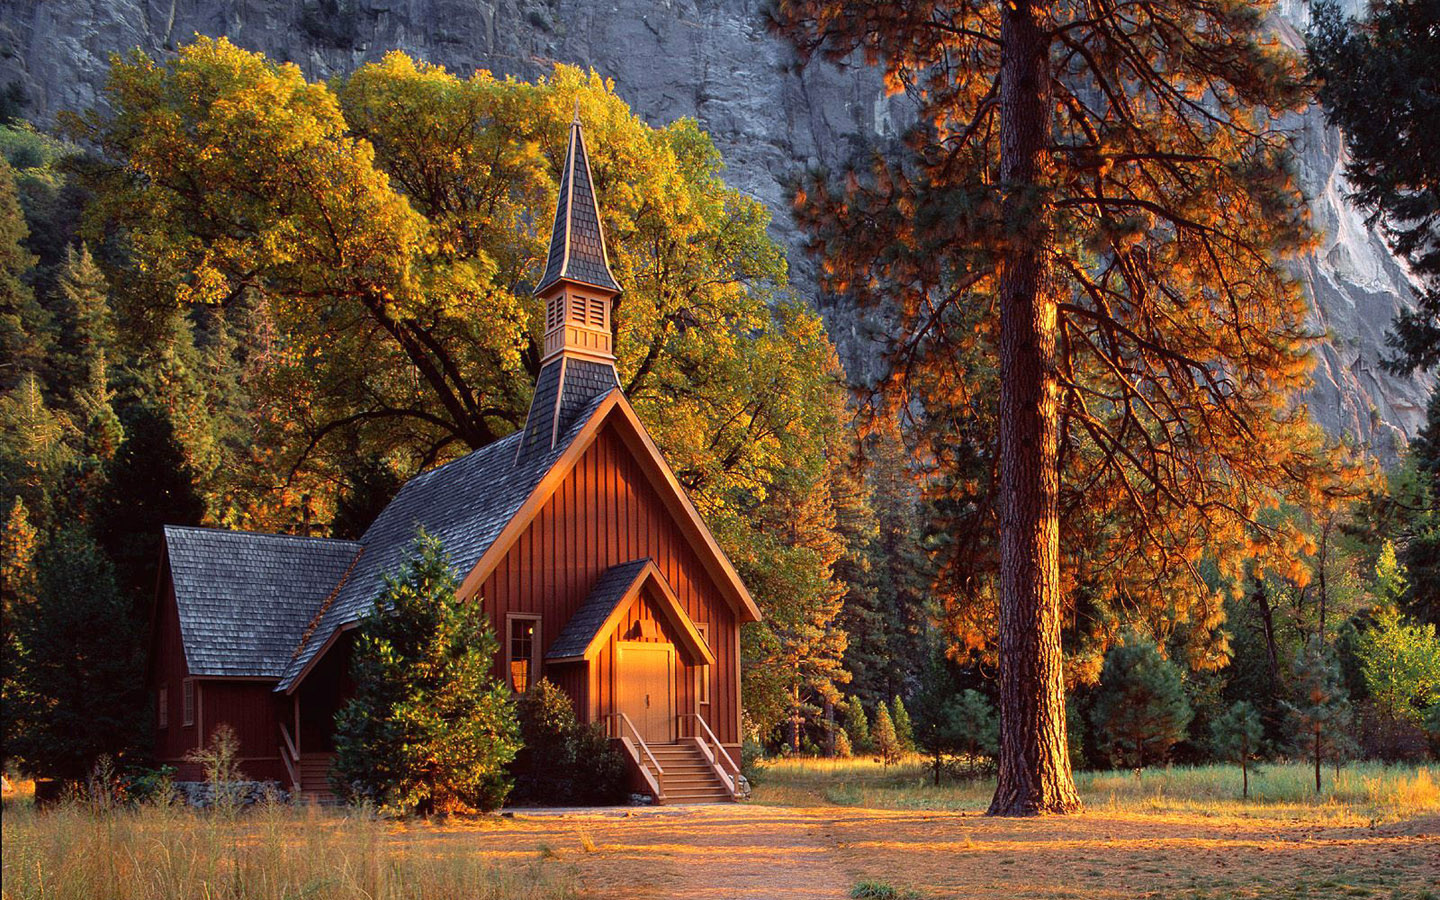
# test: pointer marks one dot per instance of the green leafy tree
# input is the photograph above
(429, 728)
(887, 743)
(1377, 85)
(904, 730)
(78, 667)
(561, 761)
(1319, 714)
(1400, 662)
(1236, 736)
(843, 749)
(1140, 708)
(857, 724)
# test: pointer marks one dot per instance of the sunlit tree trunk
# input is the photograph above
(1035, 773)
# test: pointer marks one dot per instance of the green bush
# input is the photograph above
(1140, 709)
(429, 728)
(561, 761)
(857, 726)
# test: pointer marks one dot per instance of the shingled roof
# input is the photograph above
(465, 503)
(577, 242)
(610, 588)
(245, 598)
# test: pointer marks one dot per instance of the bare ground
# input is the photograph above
(753, 851)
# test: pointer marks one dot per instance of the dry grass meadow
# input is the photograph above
(814, 829)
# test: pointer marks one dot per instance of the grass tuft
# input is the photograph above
(271, 852)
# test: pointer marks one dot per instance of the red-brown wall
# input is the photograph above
(247, 706)
(606, 513)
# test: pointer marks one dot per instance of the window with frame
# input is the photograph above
(187, 701)
(162, 706)
(702, 673)
(522, 638)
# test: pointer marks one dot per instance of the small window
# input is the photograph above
(162, 706)
(523, 650)
(187, 702)
(597, 312)
(702, 692)
(554, 312)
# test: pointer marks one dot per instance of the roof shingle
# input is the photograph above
(610, 588)
(245, 598)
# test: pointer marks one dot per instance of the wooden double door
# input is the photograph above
(645, 688)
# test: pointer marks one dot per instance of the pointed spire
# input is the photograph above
(577, 241)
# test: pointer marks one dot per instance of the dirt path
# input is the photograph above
(821, 852)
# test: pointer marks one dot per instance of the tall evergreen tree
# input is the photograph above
(429, 728)
(18, 544)
(151, 485)
(370, 485)
(78, 668)
(1081, 253)
(24, 324)
(1377, 83)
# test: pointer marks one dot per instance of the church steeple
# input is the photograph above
(578, 289)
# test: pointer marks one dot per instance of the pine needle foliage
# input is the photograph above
(1164, 204)
(1236, 736)
(1377, 83)
(1140, 707)
(429, 728)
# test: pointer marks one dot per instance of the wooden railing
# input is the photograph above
(635, 747)
(291, 757)
(715, 754)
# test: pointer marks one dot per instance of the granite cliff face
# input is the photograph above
(714, 60)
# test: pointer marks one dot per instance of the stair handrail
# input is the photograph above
(287, 754)
(718, 754)
(624, 719)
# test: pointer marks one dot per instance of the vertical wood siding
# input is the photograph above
(604, 514)
(168, 669)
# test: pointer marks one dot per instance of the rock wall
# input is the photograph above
(716, 61)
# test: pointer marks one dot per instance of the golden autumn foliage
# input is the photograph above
(1188, 459)
(374, 242)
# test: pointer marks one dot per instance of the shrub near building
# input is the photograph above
(429, 728)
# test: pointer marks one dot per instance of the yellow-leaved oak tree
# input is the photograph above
(1078, 250)
(383, 233)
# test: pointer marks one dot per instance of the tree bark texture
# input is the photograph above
(1035, 775)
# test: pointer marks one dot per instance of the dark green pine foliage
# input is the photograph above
(1140, 709)
(887, 610)
(561, 761)
(956, 729)
(1236, 736)
(1320, 715)
(151, 485)
(429, 729)
(24, 323)
(369, 485)
(1420, 548)
(78, 665)
(857, 724)
(1378, 84)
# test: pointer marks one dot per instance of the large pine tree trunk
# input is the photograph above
(1035, 773)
